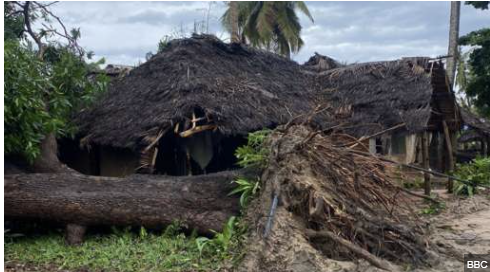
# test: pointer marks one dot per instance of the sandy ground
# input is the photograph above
(462, 227)
(465, 226)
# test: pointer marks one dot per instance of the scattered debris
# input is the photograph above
(334, 205)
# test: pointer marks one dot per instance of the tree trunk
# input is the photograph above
(453, 41)
(198, 202)
(235, 38)
(47, 161)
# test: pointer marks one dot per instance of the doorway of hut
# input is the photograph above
(202, 153)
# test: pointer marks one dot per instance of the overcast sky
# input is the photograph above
(123, 32)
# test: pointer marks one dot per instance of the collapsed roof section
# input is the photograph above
(201, 83)
(371, 97)
(235, 88)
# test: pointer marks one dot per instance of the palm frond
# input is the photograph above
(303, 8)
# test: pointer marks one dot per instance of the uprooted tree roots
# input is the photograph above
(334, 205)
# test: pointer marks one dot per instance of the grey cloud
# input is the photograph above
(349, 31)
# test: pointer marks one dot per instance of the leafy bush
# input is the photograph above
(41, 96)
(254, 153)
(477, 173)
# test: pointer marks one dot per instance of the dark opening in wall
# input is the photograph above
(77, 158)
(202, 153)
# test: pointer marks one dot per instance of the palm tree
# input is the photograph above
(453, 40)
(271, 25)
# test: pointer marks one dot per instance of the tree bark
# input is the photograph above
(235, 38)
(48, 161)
(453, 41)
(198, 202)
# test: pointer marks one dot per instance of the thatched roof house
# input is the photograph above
(197, 84)
(411, 94)
(476, 130)
(189, 107)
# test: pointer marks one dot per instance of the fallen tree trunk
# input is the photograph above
(198, 202)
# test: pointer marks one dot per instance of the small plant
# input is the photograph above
(246, 188)
(254, 153)
(477, 173)
(433, 208)
(417, 183)
(221, 241)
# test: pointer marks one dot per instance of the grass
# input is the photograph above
(433, 208)
(120, 251)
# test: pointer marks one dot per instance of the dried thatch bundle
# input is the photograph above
(334, 203)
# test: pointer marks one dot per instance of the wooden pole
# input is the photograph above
(483, 147)
(425, 159)
(450, 156)
(440, 151)
(487, 151)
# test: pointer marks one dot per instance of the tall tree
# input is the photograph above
(233, 21)
(271, 25)
(478, 80)
(44, 84)
(453, 40)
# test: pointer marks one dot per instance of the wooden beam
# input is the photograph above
(425, 160)
(195, 130)
(449, 146)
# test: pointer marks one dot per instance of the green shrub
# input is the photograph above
(477, 173)
(254, 153)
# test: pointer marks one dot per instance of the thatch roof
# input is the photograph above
(374, 96)
(243, 89)
(319, 63)
(240, 88)
(469, 136)
(480, 124)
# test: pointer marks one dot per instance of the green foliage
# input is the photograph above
(254, 153)
(246, 188)
(433, 208)
(122, 251)
(478, 4)
(128, 249)
(13, 23)
(41, 96)
(477, 172)
(478, 82)
(270, 25)
(42, 91)
(226, 244)
(417, 183)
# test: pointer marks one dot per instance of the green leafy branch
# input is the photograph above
(254, 153)
(477, 172)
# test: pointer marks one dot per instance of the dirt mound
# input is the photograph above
(334, 205)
